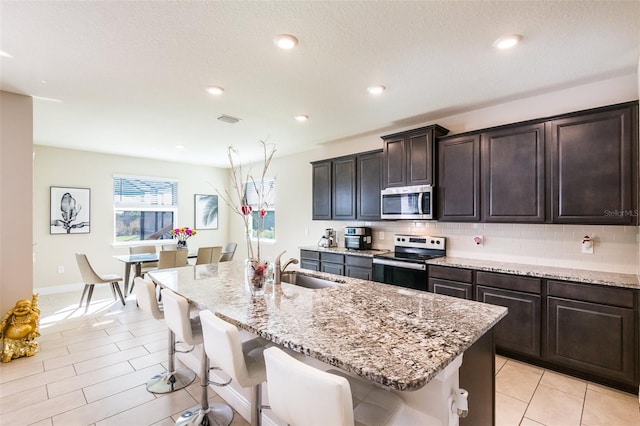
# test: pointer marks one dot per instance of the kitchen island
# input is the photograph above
(408, 341)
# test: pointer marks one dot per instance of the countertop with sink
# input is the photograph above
(540, 271)
(393, 336)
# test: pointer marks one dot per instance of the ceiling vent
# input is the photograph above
(228, 119)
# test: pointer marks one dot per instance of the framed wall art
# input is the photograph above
(70, 211)
(206, 211)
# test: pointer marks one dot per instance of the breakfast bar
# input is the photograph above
(398, 338)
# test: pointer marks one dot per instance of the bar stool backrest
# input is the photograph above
(146, 297)
(303, 395)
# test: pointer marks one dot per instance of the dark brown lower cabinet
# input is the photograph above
(591, 337)
(477, 376)
(359, 267)
(519, 331)
(310, 259)
(587, 330)
(450, 288)
(332, 263)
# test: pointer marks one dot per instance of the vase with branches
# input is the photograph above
(236, 199)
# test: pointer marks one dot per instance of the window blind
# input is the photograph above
(131, 191)
(269, 193)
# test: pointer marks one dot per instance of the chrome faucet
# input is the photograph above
(279, 270)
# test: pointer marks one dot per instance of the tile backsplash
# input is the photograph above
(615, 247)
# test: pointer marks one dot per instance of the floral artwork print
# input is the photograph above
(70, 211)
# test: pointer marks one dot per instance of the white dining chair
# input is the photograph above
(91, 278)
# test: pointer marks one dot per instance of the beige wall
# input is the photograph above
(616, 247)
(16, 178)
(63, 167)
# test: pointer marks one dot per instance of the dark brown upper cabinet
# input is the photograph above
(575, 168)
(347, 188)
(458, 190)
(343, 193)
(369, 183)
(409, 156)
(594, 167)
(321, 189)
(513, 174)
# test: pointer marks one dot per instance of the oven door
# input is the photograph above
(402, 274)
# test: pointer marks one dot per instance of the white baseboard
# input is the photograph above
(56, 289)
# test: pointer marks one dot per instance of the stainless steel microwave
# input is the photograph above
(407, 202)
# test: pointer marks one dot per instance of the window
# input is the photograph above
(144, 208)
(262, 195)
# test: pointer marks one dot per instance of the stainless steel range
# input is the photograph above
(406, 265)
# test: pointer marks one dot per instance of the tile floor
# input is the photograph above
(92, 368)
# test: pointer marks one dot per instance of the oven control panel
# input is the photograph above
(422, 242)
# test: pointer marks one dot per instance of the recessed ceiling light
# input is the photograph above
(5, 54)
(179, 146)
(215, 90)
(507, 41)
(376, 90)
(285, 41)
(302, 117)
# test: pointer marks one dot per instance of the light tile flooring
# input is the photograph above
(92, 368)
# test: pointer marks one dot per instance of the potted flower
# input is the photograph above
(236, 199)
(182, 234)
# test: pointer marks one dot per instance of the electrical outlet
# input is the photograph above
(381, 235)
(61, 269)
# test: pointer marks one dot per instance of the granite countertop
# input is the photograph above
(343, 250)
(548, 272)
(396, 337)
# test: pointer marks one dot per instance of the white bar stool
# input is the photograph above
(243, 361)
(303, 395)
(172, 379)
(189, 330)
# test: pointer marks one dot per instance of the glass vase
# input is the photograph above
(182, 245)
(256, 276)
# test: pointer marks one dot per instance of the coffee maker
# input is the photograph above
(328, 239)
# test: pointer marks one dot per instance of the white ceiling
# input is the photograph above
(131, 74)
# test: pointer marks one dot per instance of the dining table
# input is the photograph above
(398, 338)
(136, 260)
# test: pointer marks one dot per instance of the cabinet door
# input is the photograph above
(519, 331)
(458, 194)
(451, 288)
(369, 185)
(344, 188)
(420, 158)
(359, 272)
(592, 337)
(395, 165)
(513, 174)
(332, 268)
(594, 168)
(321, 190)
(313, 265)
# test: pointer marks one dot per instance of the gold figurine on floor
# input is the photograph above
(19, 329)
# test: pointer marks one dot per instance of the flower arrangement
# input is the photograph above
(181, 234)
(237, 201)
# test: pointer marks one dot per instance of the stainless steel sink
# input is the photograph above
(308, 281)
